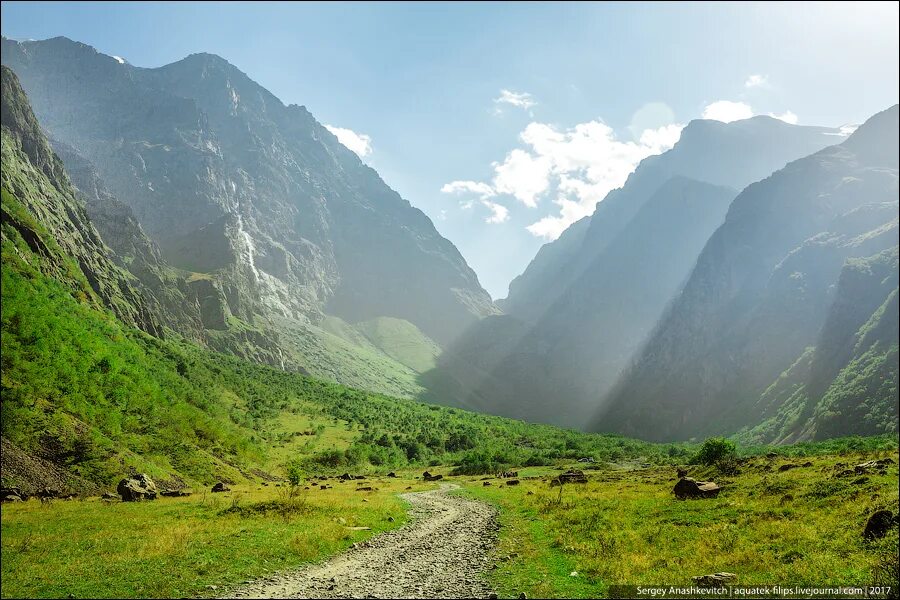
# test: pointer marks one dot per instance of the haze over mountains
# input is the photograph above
(270, 218)
(578, 314)
(744, 282)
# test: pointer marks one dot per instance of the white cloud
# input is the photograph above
(475, 187)
(499, 213)
(522, 100)
(787, 116)
(578, 165)
(727, 111)
(523, 176)
(757, 81)
(358, 142)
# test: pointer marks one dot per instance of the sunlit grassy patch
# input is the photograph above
(802, 526)
(175, 547)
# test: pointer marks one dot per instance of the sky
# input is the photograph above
(506, 122)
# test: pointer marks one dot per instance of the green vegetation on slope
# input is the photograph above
(85, 391)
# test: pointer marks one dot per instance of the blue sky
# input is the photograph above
(524, 114)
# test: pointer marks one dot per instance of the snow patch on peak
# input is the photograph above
(119, 59)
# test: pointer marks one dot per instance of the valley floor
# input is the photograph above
(442, 553)
(778, 520)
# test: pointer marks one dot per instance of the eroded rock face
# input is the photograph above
(139, 487)
(228, 180)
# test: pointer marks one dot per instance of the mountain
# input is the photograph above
(43, 209)
(726, 154)
(587, 302)
(88, 397)
(806, 258)
(270, 221)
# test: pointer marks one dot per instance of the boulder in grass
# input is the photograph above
(174, 493)
(688, 487)
(572, 476)
(879, 524)
(12, 494)
(139, 487)
(714, 580)
(429, 477)
(220, 487)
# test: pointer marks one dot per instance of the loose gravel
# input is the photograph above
(443, 552)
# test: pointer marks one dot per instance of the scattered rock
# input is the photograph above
(175, 493)
(220, 487)
(390, 519)
(512, 482)
(714, 580)
(687, 487)
(366, 488)
(139, 487)
(879, 524)
(681, 472)
(486, 483)
(7, 494)
(391, 474)
(787, 467)
(109, 496)
(429, 477)
(571, 476)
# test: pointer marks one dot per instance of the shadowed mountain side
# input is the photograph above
(727, 154)
(553, 371)
(762, 290)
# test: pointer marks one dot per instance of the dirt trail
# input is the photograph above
(441, 553)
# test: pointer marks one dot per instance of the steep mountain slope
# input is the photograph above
(727, 154)
(763, 289)
(38, 198)
(587, 302)
(255, 198)
(88, 398)
(847, 383)
(173, 300)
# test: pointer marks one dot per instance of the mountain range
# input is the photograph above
(252, 210)
(742, 283)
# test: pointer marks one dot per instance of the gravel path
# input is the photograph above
(441, 553)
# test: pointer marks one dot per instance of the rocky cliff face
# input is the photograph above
(586, 304)
(44, 210)
(258, 196)
(764, 289)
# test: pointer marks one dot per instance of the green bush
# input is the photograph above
(716, 451)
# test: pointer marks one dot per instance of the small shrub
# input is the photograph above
(716, 451)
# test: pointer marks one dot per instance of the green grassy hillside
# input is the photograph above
(85, 391)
